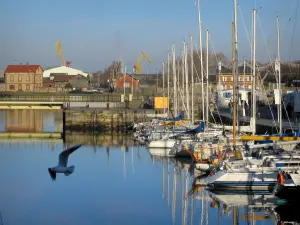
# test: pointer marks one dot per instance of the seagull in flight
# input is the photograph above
(62, 163)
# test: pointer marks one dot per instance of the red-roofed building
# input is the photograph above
(23, 77)
(128, 81)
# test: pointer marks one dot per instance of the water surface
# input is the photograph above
(114, 182)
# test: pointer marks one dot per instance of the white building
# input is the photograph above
(63, 70)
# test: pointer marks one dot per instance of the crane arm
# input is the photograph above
(60, 53)
(139, 68)
(147, 57)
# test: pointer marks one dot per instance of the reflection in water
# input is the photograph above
(232, 208)
(96, 139)
(62, 166)
(30, 120)
(122, 181)
(21, 120)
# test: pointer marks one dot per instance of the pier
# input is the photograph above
(264, 122)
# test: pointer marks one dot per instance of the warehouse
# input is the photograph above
(63, 70)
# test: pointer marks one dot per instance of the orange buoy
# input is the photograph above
(280, 178)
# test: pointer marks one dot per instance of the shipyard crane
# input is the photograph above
(60, 53)
(139, 64)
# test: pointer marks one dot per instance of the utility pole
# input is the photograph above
(124, 81)
(156, 80)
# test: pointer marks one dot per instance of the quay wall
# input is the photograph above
(105, 120)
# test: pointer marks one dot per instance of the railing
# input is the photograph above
(62, 98)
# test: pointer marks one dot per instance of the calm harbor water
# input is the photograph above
(114, 182)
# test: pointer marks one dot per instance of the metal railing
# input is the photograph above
(62, 98)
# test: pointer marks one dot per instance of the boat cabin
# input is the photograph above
(225, 96)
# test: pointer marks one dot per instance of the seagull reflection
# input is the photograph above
(62, 163)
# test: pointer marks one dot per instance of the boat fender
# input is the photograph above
(280, 178)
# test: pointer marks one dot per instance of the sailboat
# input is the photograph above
(259, 178)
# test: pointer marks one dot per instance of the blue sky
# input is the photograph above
(93, 33)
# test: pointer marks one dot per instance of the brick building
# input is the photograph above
(129, 82)
(226, 80)
(23, 78)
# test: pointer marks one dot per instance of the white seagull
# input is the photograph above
(62, 163)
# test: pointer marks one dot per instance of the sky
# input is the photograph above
(93, 33)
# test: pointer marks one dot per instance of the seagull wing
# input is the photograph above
(64, 155)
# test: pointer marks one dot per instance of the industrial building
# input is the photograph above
(63, 70)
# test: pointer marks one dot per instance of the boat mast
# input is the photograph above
(178, 83)
(277, 68)
(168, 83)
(187, 82)
(174, 79)
(207, 106)
(201, 57)
(236, 86)
(182, 75)
(192, 77)
(163, 65)
(233, 89)
(253, 119)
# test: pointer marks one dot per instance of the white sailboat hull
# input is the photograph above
(242, 180)
(162, 152)
(169, 143)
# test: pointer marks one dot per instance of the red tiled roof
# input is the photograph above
(21, 68)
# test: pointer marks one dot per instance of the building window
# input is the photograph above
(11, 78)
(28, 78)
(27, 87)
(127, 85)
(224, 79)
(11, 87)
(19, 78)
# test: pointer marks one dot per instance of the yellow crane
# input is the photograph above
(61, 55)
(138, 68)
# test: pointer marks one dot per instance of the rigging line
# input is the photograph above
(204, 72)
(287, 115)
(241, 13)
(196, 67)
(293, 33)
(265, 41)
(214, 50)
(273, 68)
(273, 117)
